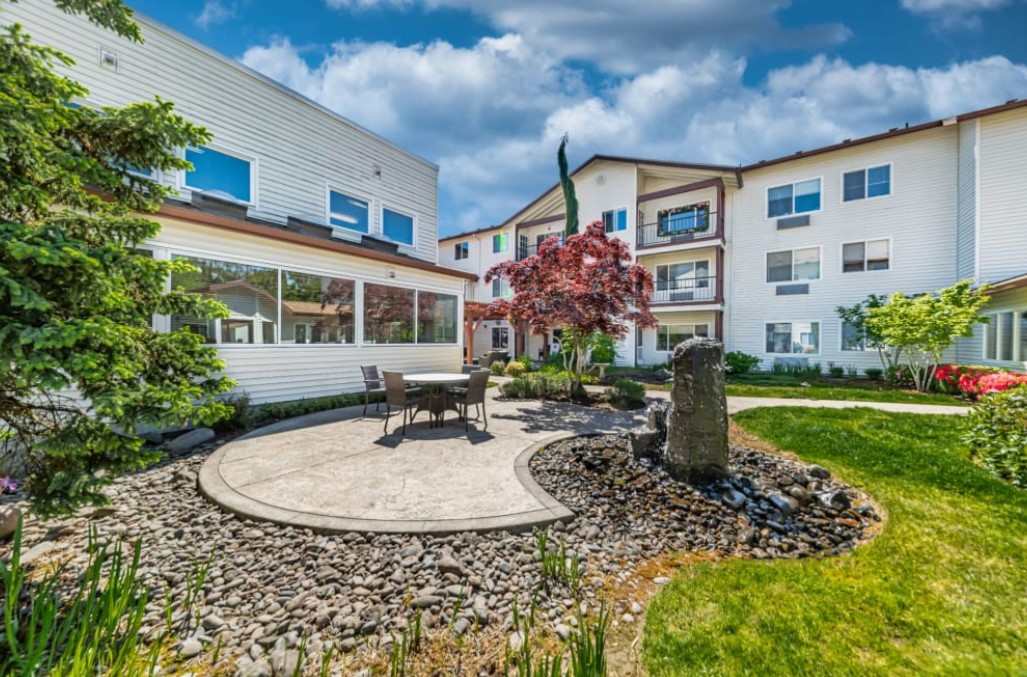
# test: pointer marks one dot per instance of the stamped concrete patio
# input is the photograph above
(335, 471)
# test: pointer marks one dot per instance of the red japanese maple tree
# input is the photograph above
(584, 285)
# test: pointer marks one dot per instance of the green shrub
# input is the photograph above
(604, 351)
(537, 386)
(515, 368)
(996, 432)
(242, 416)
(497, 368)
(625, 393)
(526, 361)
(740, 363)
(874, 373)
(836, 372)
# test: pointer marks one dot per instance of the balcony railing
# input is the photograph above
(688, 290)
(524, 251)
(677, 228)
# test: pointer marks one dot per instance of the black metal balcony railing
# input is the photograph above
(689, 290)
(677, 228)
(525, 250)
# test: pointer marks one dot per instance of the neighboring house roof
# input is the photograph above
(469, 233)
(1009, 284)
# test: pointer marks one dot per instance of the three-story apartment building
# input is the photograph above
(762, 255)
(319, 236)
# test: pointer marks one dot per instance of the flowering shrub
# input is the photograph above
(7, 485)
(990, 383)
(899, 376)
(961, 378)
(996, 432)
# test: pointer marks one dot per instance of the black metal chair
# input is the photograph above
(397, 395)
(372, 386)
(477, 384)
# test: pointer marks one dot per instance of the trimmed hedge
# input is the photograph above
(996, 432)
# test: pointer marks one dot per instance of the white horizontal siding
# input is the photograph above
(967, 215)
(299, 147)
(1003, 195)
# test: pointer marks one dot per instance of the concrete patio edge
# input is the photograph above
(211, 484)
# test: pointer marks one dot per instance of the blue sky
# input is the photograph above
(485, 88)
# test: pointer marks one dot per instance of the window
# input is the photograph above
(865, 183)
(461, 250)
(1022, 357)
(991, 337)
(794, 266)
(615, 220)
(348, 212)
(317, 309)
(870, 255)
(853, 338)
(436, 317)
(500, 338)
(214, 170)
(686, 281)
(669, 335)
(499, 243)
(687, 219)
(790, 338)
(388, 314)
(501, 288)
(250, 292)
(795, 198)
(1006, 322)
(398, 227)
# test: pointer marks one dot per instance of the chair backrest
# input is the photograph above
(395, 389)
(470, 368)
(372, 379)
(476, 386)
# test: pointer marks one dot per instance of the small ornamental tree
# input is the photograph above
(81, 368)
(856, 316)
(924, 326)
(586, 285)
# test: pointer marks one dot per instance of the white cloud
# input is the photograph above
(637, 36)
(214, 12)
(951, 15)
(492, 114)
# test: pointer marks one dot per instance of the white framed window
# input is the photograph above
(398, 226)
(793, 265)
(793, 338)
(853, 339)
(615, 220)
(858, 257)
(500, 288)
(686, 281)
(347, 211)
(863, 184)
(669, 335)
(500, 338)
(461, 250)
(801, 197)
(500, 243)
(218, 169)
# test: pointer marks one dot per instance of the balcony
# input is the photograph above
(687, 290)
(526, 250)
(678, 228)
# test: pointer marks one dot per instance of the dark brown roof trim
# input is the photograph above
(677, 190)
(1008, 284)
(469, 233)
(1012, 104)
(272, 233)
(542, 221)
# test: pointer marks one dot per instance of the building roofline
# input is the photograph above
(193, 215)
(156, 25)
(469, 233)
(1010, 283)
(1012, 104)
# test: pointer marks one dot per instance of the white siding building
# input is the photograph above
(762, 255)
(319, 235)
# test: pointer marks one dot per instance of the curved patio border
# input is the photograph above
(213, 486)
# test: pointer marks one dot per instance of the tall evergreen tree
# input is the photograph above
(570, 197)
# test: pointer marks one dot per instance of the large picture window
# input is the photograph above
(669, 335)
(214, 170)
(436, 317)
(250, 292)
(317, 309)
(388, 314)
(686, 281)
(790, 338)
(794, 266)
(348, 212)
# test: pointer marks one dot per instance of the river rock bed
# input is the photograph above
(269, 585)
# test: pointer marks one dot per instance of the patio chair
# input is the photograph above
(398, 395)
(372, 386)
(474, 394)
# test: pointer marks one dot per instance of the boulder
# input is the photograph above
(187, 441)
(697, 443)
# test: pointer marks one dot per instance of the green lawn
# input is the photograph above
(943, 590)
(790, 387)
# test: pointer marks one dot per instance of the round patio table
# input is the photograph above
(436, 399)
